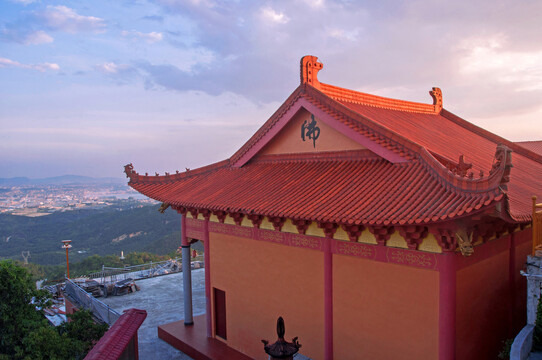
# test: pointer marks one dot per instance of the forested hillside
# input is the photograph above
(93, 232)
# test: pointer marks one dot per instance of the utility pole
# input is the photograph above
(66, 245)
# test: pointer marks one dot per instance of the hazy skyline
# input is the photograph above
(88, 87)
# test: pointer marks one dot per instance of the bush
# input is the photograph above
(82, 329)
(24, 331)
(18, 314)
(506, 347)
(537, 335)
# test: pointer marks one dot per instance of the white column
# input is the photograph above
(187, 274)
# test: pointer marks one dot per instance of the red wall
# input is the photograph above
(523, 248)
(487, 310)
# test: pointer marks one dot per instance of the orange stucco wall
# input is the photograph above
(289, 138)
(382, 310)
(262, 281)
(484, 302)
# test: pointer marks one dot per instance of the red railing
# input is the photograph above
(537, 225)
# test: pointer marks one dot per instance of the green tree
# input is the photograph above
(82, 329)
(24, 331)
(18, 301)
(46, 343)
(537, 335)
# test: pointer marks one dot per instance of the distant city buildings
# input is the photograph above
(39, 200)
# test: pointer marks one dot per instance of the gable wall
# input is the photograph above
(289, 140)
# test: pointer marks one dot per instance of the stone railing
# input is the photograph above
(523, 343)
(86, 301)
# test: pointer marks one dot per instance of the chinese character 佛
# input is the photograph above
(310, 130)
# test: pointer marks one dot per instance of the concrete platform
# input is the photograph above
(193, 341)
(162, 298)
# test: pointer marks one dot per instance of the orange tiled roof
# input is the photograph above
(534, 146)
(419, 179)
(354, 189)
(447, 137)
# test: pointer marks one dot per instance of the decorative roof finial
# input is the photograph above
(502, 160)
(462, 166)
(436, 94)
(309, 70)
(128, 170)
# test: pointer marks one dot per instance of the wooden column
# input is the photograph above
(207, 260)
(329, 231)
(328, 300)
(447, 304)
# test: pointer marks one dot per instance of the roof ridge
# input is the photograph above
(309, 67)
(370, 125)
(267, 125)
(135, 177)
(527, 141)
(518, 149)
(357, 97)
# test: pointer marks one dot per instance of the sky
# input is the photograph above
(87, 87)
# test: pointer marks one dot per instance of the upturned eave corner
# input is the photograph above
(129, 171)
(464, 180)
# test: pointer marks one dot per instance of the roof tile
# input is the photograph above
(355, 191)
